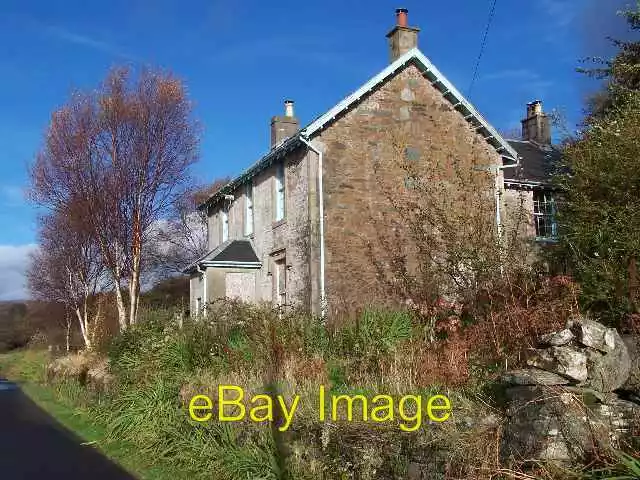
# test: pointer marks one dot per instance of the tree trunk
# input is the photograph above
(122, 313)
(83, 329)
(68, 335)
(134, 291)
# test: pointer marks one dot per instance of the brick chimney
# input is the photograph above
(284, 126)
(536, 127)
(402, 38)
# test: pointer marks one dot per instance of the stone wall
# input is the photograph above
(574, 399)
(353, 194)
(270, 237)
(518, 209)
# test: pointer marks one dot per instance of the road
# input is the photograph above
(33, 445)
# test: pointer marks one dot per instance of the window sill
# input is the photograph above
(278, 223)
(547, 239)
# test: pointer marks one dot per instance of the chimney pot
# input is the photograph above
(534, 108)
(402, 38)
(401, 16)
(288, 108)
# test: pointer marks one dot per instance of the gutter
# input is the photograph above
(323, 300)
(266, 160)
(232, 264)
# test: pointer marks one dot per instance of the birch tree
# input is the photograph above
(67, 268)
(121, 156)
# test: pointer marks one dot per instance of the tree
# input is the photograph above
(120, 156)
(598, 221)
(67, 268)
(182, 238)
(622, 72)
(600, 215)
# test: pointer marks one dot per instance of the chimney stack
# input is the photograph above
(402, 38)
(283, 127)
(536, 127)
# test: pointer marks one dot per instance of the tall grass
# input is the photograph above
(159, 366)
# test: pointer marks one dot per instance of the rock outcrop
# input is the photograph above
(567, 404)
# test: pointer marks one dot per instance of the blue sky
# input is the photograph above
(241, 59)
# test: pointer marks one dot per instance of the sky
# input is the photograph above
(240, 60)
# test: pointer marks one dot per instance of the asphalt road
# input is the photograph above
(33, 445)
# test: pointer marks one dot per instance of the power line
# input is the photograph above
(482, 46)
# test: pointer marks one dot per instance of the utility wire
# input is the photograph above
(482, 46)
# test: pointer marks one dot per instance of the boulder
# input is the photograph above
(566, 361)
(554, 423)
(632, 384)
(595, 335)
(546, 423)
(620, 416)
(557, 339)
(533, 376)
(608, 371)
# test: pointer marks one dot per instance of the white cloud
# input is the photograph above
(13, 264)
(86, 41)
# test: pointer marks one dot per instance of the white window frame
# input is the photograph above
(280, 271)
(544, 211)
(280, 183)
(224, 218)
(248, 210)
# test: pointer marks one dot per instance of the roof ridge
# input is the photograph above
(461, 105)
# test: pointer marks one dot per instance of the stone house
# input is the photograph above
(288, 229)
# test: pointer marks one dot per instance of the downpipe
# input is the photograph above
(323, 299)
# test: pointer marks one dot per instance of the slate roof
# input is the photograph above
(230, 253)
(537, 163)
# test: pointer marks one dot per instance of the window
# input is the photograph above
(248, 213)
(280, 194)
(411, 154)
(225, 224)
(410, 182)
(280, 282)
(544, 215)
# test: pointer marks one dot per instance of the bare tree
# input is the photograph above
(121, 156)
(182, 238)
(68, 269)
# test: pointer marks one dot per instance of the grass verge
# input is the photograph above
(25, 367)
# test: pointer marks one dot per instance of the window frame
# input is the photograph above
(280, 281)
(544, 216)
(224, 220)
(280, 192)
(249, 210)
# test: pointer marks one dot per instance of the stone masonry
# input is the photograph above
(352, 192)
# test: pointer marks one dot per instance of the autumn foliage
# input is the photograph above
(113, 163)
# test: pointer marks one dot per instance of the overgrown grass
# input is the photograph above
(158, 367)
(64, 402)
